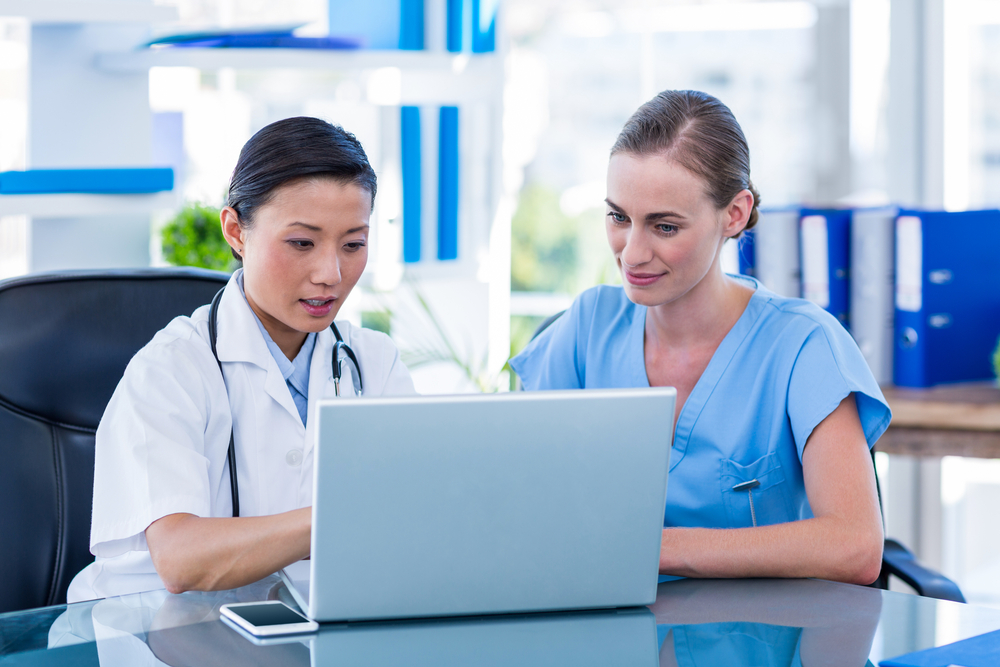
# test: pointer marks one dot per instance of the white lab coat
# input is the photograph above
(162, 442)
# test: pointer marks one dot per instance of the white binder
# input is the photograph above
(872, 276)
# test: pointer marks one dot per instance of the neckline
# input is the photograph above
(710, 377)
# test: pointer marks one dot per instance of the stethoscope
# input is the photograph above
(342, 352)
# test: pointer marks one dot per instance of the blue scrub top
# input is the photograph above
(782, 369)
(735, 644)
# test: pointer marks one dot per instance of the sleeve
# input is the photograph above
(552, 360)
(829, 366)
(150, 458)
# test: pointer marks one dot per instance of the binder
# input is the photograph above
(471, 25)
(245, 41)
(454, 24)
(825, 256)
(979, 651)
(746, 254)
(484, 25)
(411, 164)
(776, 251)
(123, 181)
(872, 277)
(947, 296)
(448, 192)
(380, 24)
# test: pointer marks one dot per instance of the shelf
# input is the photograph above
(82, 205)
(424, 77)
(87, 11)
(208, 58)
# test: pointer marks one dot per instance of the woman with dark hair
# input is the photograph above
(166, 512)
(770, 472)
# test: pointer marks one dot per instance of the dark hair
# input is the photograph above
(702, 135)
(293, 149)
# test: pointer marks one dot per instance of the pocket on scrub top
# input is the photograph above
(770, 498)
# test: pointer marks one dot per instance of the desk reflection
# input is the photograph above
(765, 623)
(185, 630)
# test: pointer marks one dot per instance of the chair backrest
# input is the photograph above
(65, 340)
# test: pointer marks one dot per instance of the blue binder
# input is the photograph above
(747, 255)
(448, 192)
(89, 181)
(980, 651)
(454, 24)
(825, 257)
(412, 183)
(381, 24)
(947, 296)
(471, 25)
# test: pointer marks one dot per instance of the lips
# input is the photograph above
(319, 306)
(642, 279)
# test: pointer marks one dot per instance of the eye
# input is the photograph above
(666, 229)
(617, 217)
(300, 244)
(354, 246)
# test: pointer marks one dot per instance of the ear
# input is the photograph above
(737, 214)
(231, 229)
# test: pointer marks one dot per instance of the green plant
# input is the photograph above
(996, 361)
(194, 238)
(544, 250)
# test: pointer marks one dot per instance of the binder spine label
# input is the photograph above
(815, 260)
(909, 264)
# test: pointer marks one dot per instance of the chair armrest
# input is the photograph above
(899, 561)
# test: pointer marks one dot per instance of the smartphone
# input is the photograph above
(267, 619)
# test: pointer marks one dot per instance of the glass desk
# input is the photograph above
(759, 623)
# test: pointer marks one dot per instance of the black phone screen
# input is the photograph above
(263, 615)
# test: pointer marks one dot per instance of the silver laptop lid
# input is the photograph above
(453, 505)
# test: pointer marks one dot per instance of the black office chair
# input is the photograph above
(897, 560)
(65, 339)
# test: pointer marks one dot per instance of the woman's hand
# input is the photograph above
(207, 554)
(843, 542)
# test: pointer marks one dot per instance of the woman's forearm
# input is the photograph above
(826, 547)
(195, 553)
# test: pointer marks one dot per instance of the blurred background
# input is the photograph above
(844, 103)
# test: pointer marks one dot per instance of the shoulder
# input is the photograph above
(181, 350)
(822, 363)
(183, 336)
(787, 317)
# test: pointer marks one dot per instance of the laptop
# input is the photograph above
(485, 504)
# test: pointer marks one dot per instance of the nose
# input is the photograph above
(327, 269)
(636, 251)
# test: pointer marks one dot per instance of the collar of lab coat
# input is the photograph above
(240, 340)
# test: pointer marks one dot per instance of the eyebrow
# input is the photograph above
(651, 217)
(314, 228)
